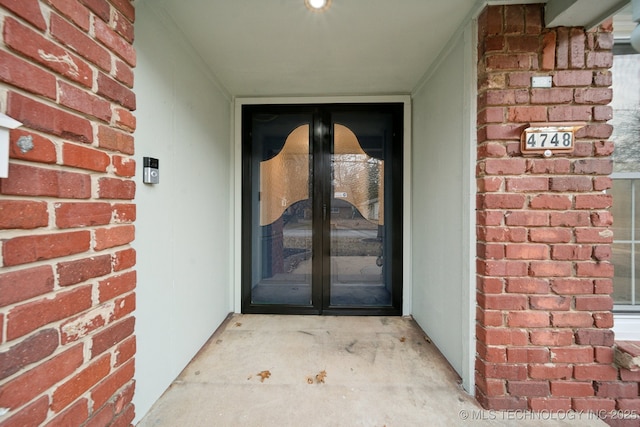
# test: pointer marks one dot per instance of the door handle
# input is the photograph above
(324, 211)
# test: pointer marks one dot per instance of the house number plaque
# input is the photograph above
(549, 138)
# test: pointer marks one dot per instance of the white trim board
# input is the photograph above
(626, 326)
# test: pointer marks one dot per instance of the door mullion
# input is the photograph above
(320, 209)
(327, 150)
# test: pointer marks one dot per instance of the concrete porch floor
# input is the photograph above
(272, 370)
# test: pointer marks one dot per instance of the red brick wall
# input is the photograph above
(66, 213)
(544, 276)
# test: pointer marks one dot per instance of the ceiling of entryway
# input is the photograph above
(363, 47)
(279, 47)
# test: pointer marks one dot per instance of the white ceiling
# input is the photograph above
(279, 47)
(357, 47)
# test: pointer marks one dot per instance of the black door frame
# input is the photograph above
(321, 135)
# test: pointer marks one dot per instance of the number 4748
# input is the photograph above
(549, 140)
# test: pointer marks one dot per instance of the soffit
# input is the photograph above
(280, 48)
(357, 47)
(581, 13)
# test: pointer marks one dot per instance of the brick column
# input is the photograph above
(544, 277)
(66, 213)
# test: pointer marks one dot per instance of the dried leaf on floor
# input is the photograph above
(264, 375)
(403, 339)
(309, 380)
(321, 376)
(427, 339)
(238, 324)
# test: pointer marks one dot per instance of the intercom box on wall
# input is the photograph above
(151, 170)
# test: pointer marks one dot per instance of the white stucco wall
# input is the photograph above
(443, 211)
(183, 227)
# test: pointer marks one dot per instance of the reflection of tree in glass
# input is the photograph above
(374, 177)
(626, 137)
(359, 176)
(626, 113)
(297, 212)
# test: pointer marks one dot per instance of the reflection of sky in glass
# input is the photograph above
(626, 113)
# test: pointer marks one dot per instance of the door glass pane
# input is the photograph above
(281, 169)
(622, 259)
(621, 209)
(358, 230)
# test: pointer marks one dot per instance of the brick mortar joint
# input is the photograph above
(95, 69)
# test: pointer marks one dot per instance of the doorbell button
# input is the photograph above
(151, 170)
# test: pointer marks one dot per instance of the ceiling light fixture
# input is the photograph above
(318, 5)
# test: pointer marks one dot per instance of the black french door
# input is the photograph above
(322, 209)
